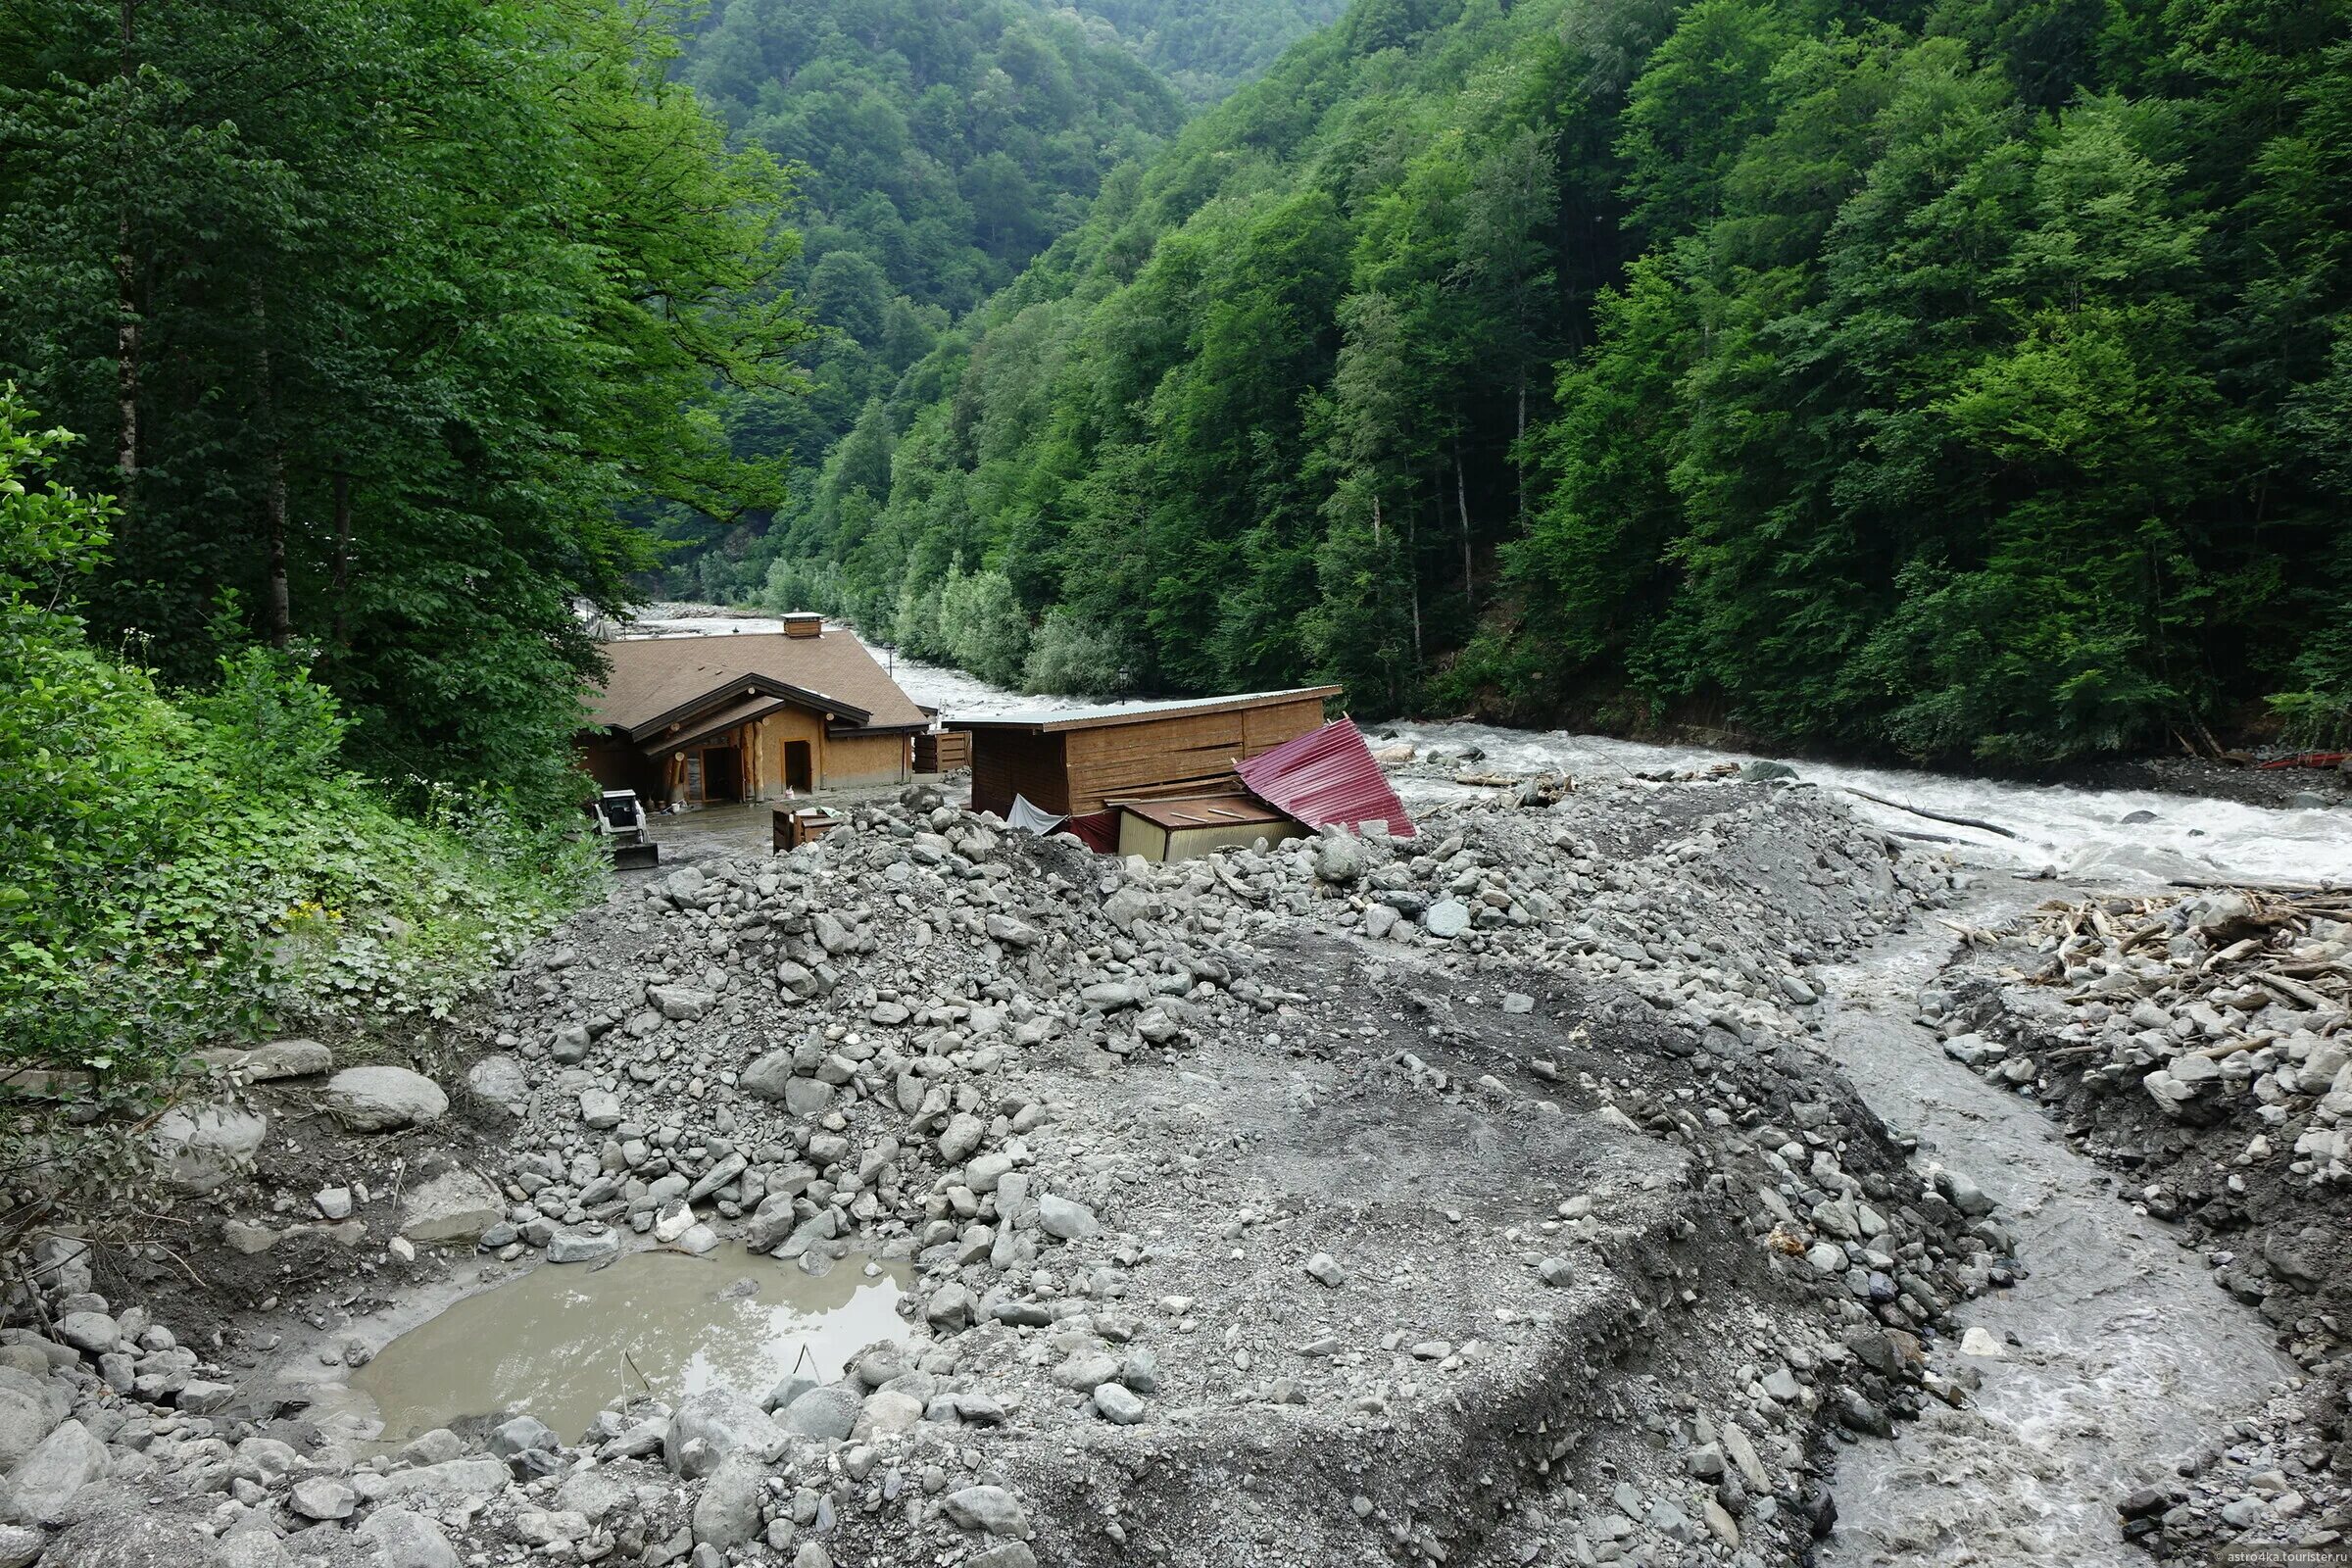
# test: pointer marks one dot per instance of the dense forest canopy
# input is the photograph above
(372, 315)
(1967, 378)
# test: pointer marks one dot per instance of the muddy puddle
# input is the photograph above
(561, 1342)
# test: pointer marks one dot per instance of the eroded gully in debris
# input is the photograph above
(2126, 1354)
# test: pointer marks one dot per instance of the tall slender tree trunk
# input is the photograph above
(1412, 576)
(1518, 450)
(342, 578)
(1376, 521)
(280, 605)
(1461, 502)
(126, 303)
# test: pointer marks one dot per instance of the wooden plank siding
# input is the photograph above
(1075, 771)
(943, 751)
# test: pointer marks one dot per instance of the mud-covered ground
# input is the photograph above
(1479, 1198)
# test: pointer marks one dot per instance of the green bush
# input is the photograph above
(982, 624)
(175, 871)
(1072, 656)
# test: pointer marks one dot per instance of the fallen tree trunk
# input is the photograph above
(1932, 816)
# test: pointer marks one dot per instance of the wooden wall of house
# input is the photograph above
(856, 759)
(789, 724)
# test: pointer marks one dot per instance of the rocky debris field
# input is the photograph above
(2196, 1044)
(1476, 1197)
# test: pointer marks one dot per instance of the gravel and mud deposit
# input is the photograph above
(1491, 1196)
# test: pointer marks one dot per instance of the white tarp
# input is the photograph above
(1030, 819)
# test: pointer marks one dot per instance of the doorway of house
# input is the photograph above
(714, 773)
(799, 772)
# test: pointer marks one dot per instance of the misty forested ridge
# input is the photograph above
(1966, 379)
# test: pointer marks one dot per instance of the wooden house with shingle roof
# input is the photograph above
(746, 716)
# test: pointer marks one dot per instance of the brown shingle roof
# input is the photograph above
(668, 679)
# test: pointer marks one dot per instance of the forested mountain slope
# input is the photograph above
(938, 147)
(1207, 48)
(1966, 378)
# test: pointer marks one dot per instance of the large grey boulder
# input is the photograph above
(579, 1245)
(988, 1508)
(1448, 917)
(19, 1545)
(830, 1411)
(383, 1099)
(455, 1205)
(680, 1004)
(285, 1058)
(769, 1077)
(202, 1147)
(500, 1081)
(125, 1534)
(1340, 857)
(406, 1539)
(727, 1513)
(717, 1423)
(40, 1489)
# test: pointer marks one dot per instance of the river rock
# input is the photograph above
(123, 1534)
(383, 1099)
(323, 1498)
(203, 1145)
(769, 1076)
(680, 1004)
(886, 1413)
(455, 1205)
(90, 1333)
(1065, 1220)
(406, 1539)
(450, 1481)
(27, 1414)
(1340, 857)
(988, 1508)
(19, 1545)
(727, 1513)
(721, 1421)
(1117, 1404)
(828, 1411)
(42, 1487)
(577, 1244)
(499, 1081)
(285, 1058)
(1448, 917)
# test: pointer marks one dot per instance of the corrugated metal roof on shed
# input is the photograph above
(1326, 778)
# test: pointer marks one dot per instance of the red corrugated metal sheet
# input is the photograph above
(1327, 778)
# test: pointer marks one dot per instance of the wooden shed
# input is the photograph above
(1073, 762)
(748, 716)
